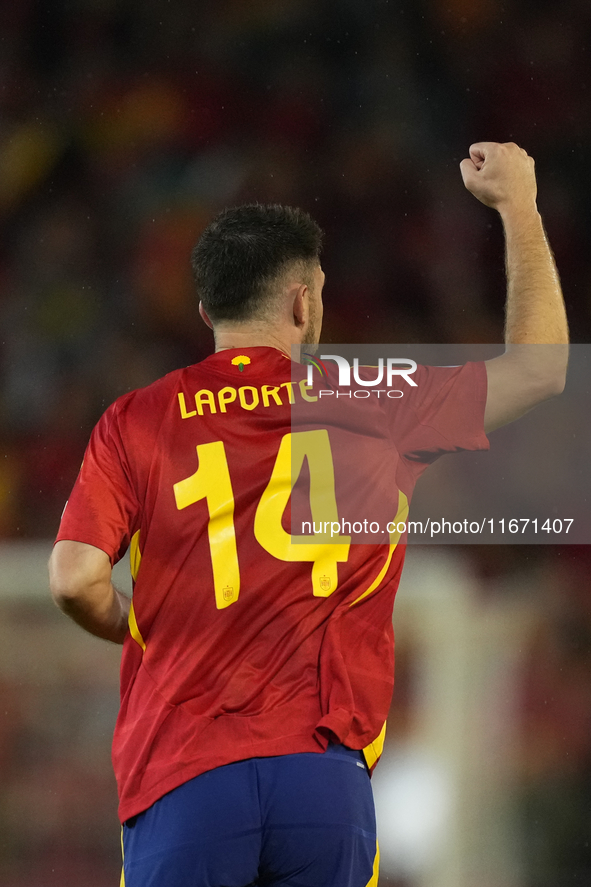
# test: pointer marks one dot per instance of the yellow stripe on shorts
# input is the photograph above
(122, 881)
(373, 881)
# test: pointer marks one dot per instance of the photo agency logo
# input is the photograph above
(389, 372)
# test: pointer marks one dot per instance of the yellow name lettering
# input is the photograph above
(289, 388)
(242, 397)
(271, 391)
(183, 406)
(204, 396)
(304, 390)
(248, 396)
(226, 395)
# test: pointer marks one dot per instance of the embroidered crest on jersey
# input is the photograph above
(241, 360)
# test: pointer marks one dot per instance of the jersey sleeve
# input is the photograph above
(103, 508)
(444, 413)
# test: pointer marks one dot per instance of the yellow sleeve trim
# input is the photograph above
(401, 516)
(133, 628)
(373, 751)
(135, 559)
(135, 555)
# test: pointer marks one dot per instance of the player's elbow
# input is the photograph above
(539, 370)
(63, 585)
(551, 385)
(546, 375)
(557, 387)
(539, 391)
(67, 583)
(76, 572)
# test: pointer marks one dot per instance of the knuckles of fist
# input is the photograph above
(497, 171)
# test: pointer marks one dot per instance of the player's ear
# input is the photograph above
(204, 316)
(300, 305)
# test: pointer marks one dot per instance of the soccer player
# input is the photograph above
(257, 670)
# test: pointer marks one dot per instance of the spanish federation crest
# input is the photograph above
(241, 360)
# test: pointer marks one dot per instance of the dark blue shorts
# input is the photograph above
(304, 820)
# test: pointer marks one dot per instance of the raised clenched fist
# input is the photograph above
(500, 175)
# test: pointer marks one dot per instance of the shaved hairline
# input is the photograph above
(301, 270)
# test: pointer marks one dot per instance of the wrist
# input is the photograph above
(521, 213)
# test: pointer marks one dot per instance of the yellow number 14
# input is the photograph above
(212, 482)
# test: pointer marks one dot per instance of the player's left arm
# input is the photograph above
(81, 586)
(533, 367)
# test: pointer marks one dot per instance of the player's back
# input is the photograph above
(230, 617)
(246, 640)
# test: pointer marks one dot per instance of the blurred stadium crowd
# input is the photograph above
(125, 125)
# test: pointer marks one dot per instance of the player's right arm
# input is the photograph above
(96, 528)
(80, 582)
(502, 176)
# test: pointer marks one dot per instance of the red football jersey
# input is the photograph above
(246, 641)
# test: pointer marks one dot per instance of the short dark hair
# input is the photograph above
(244, 249)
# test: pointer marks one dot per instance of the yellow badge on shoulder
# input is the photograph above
(241, 361)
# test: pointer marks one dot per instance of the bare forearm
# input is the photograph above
(533, 367)
(80, 582)
(502, 176)
(535, 312)
(102, 611)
